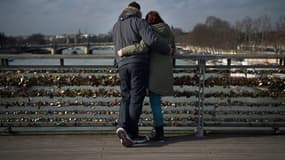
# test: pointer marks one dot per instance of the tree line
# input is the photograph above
(41, 39)
(249, 34)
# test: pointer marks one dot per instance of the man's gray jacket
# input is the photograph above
(131, 28)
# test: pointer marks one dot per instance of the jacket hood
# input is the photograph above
(162, 29)
(130, 12)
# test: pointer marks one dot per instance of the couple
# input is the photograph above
(144, 50)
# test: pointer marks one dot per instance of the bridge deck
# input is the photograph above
(84, 147)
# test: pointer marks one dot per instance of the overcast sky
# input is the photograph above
(24, 17)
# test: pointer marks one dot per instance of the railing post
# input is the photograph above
(61, 62)
(174, 62)
(282, 62)
(200, 98)
(229, 62)
(4, 62)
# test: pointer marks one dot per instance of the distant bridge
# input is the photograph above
(85, 47)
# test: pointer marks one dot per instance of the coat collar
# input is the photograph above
(130, 12)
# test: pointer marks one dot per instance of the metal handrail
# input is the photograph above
(110, 56)
(201, 58)
(281, 57)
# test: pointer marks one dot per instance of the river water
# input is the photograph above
(69, 51)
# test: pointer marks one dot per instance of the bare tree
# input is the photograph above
(279, 37)
(264, 24)
(214, 34)
(3, 40)
(200, 35)
(281, 23)
(37, 38)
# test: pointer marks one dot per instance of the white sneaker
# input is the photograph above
(124, 137)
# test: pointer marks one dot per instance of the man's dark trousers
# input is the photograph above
(133, 83)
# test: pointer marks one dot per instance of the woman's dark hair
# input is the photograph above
(153, 17)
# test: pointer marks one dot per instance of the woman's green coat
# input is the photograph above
(161, 70)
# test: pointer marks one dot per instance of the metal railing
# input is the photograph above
(188, 114)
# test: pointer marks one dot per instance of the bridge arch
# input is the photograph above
(59, 50)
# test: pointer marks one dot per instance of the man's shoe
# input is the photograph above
(124, 137)
(140, 139)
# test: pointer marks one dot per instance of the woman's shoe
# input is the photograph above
(158, 134)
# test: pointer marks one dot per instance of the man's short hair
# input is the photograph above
(135, 4)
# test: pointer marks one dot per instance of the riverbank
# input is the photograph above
(195, 49)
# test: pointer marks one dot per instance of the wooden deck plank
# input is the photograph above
(85, 147)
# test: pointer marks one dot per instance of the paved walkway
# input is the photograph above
(107, 147)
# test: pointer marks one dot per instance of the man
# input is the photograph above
(133, 70)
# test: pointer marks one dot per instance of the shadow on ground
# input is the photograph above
(190, 137)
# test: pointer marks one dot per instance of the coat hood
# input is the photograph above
(162, 29)
(130, 12)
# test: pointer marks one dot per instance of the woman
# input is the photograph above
(161, 71)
